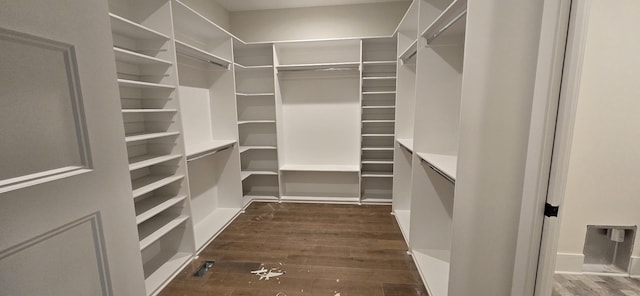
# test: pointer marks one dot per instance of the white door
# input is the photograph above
(594, 170)
(67, 223)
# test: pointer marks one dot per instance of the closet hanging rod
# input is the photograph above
(226, 67)
(446, 27)
(214, 151)
(318, 69)
(440, 172)
(410, 56)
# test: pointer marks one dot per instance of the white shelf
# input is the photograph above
(154, 205)
(247, 174)
(255, 121)
(194, 52)
(255, 94)
(406, 143)
(379, 78)
(403, 217)
(377, 174)
(156, 228)
(148, 136)
(410, 52)
(376, 200)
(379, 92)
(201, 149)
(378, 121)
(195, 23)
(147, 184)
(378, 135)
(139, 162)
(209, 226)
(261, 67)
(273, 196)
(321, 168)
(142, 84)
(247, 148)
(347, 199)
(377, 148)
(451, 22)
(132, 57)
(378, 107)
(377, 162)
(149, 111)
(319, 66)
(379, 63)
(444, 163)
(169, 264)
(434, 269)
(125, 27)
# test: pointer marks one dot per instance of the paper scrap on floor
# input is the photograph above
(266, 274)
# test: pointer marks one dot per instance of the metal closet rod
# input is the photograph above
(226, 67)
(210, 153)
(441, 173)
(410, 56)
(319, 69)
(446, 27)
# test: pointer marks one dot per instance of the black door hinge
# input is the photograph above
(551, 211)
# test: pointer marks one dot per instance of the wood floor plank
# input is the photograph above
(324, 249)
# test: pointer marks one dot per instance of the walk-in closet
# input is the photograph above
(338, 147)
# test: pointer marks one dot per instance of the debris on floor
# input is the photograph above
(266, 274)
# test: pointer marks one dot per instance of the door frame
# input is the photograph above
(560, 60)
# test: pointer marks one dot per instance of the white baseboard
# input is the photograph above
(634, 267)
(571, 263)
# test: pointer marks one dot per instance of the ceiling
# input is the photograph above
(244, 5)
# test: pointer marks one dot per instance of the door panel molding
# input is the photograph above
(88, 228)
(41, 107)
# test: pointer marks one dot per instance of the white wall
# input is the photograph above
(211, 10)
(501, 52)
(379, 19)
(603, 183)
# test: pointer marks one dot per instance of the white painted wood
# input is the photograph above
(194, 52)
(244, 5)
(152, 230)
(334, 53)
(541, 136)
(406, 143)
(493, 127)
(155, 205)
(403, 217)
(407, 30)
(445, 163)
(88, 214)
(433, 266)
(123, 26)
(214, 184)
(137, 58)
(320, 119)
(199, 32)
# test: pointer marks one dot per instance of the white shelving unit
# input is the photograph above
(378, 103)
(428, 112)
(145, 65)
(318, 119)
(255, 95)
(407, 32)
(207, 99)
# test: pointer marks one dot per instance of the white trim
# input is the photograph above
(551, 52)
(562, 145)
(569, 263)
(634, 267)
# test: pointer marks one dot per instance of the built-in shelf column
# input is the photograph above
(146, 70)
(378, 102)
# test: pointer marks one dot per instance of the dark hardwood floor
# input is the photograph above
(324, 249)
